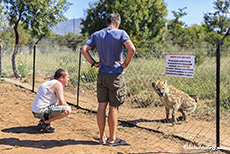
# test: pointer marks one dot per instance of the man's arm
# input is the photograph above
(131, 51)
(58, 90)
(85, 52)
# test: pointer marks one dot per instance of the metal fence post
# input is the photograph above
(0, 60)
(218, 88)
(79, 77)
(34, 56)
(34, 61)
(218, 96)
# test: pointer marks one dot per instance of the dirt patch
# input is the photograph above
(75, 134)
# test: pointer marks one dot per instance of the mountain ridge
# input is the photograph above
(71, 25)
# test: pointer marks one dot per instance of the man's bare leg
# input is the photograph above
(64, 114)
(101, 120)
(112, 121)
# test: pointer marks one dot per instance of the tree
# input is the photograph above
(177, 27)
(218, 21)
(2, 25)
(197, 35)
(39, 16)
(213, 39)
(73, 40)
(57, 39)
(181, 34)
(141, 19)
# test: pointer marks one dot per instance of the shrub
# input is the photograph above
(89, 75)
(23, 68)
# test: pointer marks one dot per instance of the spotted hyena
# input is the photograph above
(175, 99)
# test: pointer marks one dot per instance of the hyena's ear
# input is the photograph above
(153, 84)
(165, 82)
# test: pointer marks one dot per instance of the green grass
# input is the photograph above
(139, 75)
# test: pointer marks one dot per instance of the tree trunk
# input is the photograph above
(16, 74)
(14, 64)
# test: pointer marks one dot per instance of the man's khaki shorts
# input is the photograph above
(53, 110)
(111, 88)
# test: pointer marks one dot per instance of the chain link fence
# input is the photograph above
(49, 57)
(142, 107)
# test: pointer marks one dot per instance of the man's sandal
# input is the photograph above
(117, 142)
(105, 142)
(41, 124)
(49, 129)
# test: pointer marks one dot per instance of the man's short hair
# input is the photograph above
(59, 73)
(113, 18)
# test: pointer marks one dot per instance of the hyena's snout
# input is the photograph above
(159, 92)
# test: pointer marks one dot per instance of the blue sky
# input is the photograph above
(195, 9)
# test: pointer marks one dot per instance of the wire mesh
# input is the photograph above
(142, 107)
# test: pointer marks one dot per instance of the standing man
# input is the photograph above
(111, 86)
(49, 103)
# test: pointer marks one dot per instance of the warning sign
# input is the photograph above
(180, 65)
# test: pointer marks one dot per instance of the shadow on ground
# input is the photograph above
(43, 144)
(27, 130)
(135, 122)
